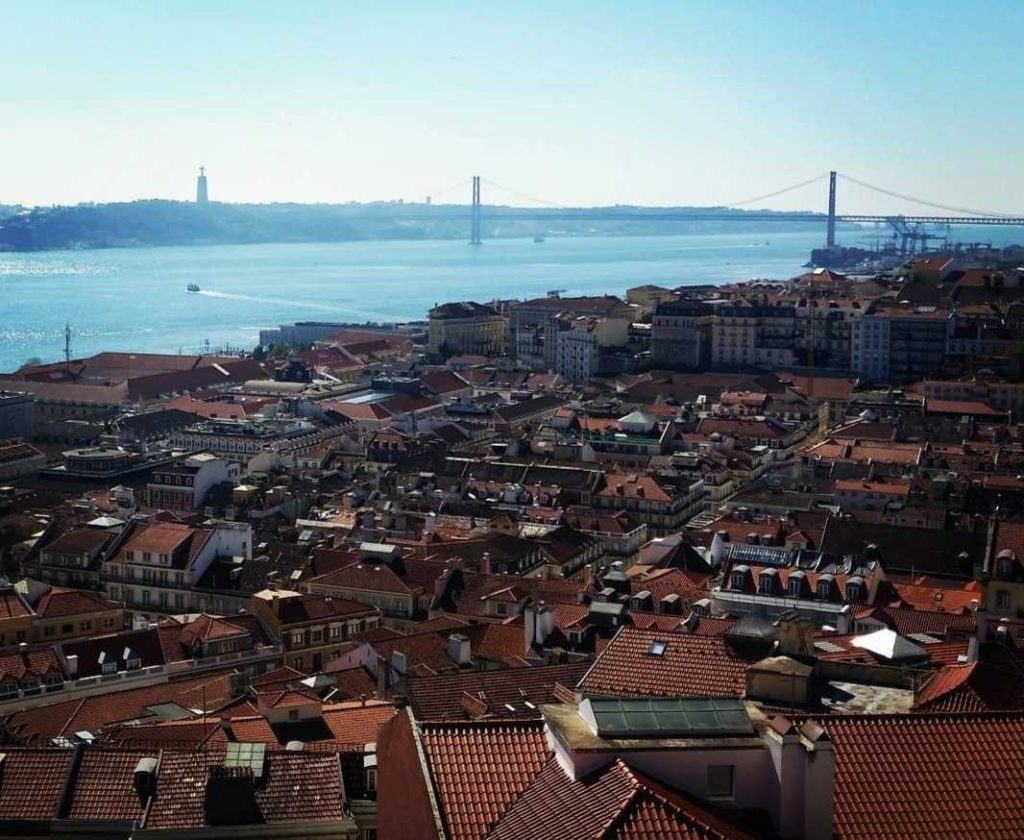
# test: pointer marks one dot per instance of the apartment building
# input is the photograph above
(314, 629)
(466, 327)
(681, 334)
(182, 487)
(158, 565)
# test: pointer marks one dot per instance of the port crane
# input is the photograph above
(906, 235)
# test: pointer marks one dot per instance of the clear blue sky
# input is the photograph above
(678, 102)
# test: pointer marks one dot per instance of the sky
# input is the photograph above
(575, 103)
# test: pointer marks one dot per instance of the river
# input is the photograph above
(135, 299)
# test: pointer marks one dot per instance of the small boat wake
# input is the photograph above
(272, 301)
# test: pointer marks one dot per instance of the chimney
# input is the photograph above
(981, 617)
(794, 634)
(144, 780)
(440, 583)
(71, 663)
(546, 621)
(844, 624)
(485, 564)
(530, 626)
(236, 681)
(804, 762)
(459, 649)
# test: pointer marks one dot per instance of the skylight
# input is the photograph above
(657, 648)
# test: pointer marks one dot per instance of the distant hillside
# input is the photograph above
(149, 223)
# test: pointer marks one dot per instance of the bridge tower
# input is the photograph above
(475, 232)
(830, 239)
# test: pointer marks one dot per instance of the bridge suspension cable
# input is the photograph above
(460, 185)
(784, 190)
(921, 201)
(517, 194)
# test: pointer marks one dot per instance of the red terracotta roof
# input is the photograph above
(438, 697)
(616, 802)
(480, 769)
(63, 602)
(939, 598)
(693, 665)
(93, 713)
(923, 776)
(103, 788)
(960, 407)
(298, 787)
(160, 538)
(356, 723)
(11, 605)
(32, 783)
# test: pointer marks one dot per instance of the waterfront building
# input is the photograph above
(466, 327)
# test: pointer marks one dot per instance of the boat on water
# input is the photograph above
(538, 239)
(193, 287)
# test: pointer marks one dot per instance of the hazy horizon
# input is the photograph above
(585, 104)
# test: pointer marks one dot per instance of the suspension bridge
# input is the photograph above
(906, 227)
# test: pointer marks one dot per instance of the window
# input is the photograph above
(1003, 599)
(795, 587)
(146, 557)
(336, 631)
(316, 636)
(502, 609)
(720, 780)
(297, 638)
(657, 648)
(371, 778)
(67, 628)
(85, 625)
(293, 715)
(853, 592)
(109, 667)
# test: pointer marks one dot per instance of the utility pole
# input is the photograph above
(475, 233)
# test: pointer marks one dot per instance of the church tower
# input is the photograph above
(201, 196)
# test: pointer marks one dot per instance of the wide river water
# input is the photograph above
(136, 299)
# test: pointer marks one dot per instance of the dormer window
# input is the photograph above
(825, 589)
(766, 583)
(796, 586)
(739, 577)
(855, 590)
